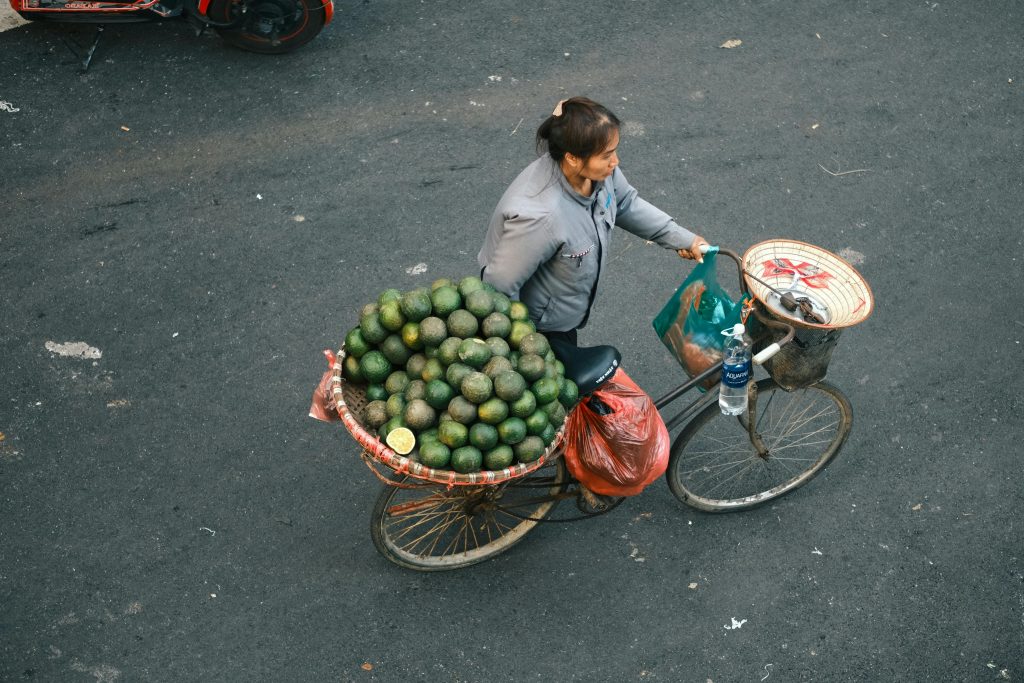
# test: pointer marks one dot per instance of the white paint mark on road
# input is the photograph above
(854, 257)
(418, 269)
(104, 673)
(735, 624)
(73, 350)
(634, 129)
(9, 18)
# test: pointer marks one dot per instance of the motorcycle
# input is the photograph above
(263, 26)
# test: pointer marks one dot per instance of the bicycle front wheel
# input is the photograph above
(431, 527)
(715, 465)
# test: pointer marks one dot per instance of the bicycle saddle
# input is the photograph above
(589, 367)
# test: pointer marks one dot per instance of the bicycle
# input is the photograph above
(431, 520)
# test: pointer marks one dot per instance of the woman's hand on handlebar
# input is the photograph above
(694, 252)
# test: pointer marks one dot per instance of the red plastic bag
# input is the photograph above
(620, 453)
(323, 407)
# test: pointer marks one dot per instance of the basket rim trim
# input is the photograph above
(387, 456)
(869, 299)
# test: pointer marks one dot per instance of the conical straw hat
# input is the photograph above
(837, 292)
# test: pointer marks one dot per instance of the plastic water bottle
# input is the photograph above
(732, 395)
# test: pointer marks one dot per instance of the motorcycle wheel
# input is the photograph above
(268, 26)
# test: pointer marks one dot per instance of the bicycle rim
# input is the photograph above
(433, 528)
(714, 466)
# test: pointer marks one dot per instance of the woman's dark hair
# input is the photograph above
(583, 129)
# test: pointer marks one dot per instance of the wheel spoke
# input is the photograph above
(798, 423)
(453, 541)
(715, 466)
(449, 517)
(431, 527)
(417, 524)
(732, 478)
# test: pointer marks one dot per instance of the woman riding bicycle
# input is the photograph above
(547, 245)
(547, 241)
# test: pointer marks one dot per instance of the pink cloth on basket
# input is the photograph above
(323, 407)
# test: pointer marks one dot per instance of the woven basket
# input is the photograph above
(351, 399)
(838, 292)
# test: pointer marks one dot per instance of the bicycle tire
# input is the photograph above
(810, 425)
(433, 527)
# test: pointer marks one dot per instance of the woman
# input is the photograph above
(547, 242)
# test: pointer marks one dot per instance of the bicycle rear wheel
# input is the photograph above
(432, 527)
(715, 466)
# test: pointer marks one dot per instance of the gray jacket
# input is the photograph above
(547, 245)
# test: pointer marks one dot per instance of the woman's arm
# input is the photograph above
(512, 255)
(645, 220)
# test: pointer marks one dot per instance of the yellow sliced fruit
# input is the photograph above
(401, 439)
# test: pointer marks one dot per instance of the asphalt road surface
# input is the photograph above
(204, 222)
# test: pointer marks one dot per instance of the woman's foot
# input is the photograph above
(591, 502)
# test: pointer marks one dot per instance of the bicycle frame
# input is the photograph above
(699, 404)
(434, 526)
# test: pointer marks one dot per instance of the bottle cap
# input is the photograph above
(735, 331)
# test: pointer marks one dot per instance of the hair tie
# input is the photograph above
(558, 108)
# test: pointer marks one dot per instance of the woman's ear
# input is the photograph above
(573, 161)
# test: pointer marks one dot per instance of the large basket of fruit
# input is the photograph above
(452, 384)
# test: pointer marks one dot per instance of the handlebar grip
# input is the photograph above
(766, 353)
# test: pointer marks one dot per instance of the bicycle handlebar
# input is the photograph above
(764, 354)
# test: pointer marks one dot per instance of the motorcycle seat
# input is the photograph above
(588, 366)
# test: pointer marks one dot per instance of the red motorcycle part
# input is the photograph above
(268, 26)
